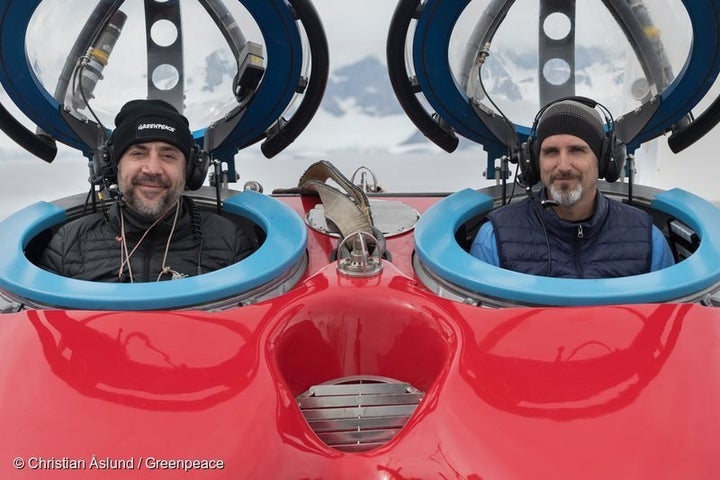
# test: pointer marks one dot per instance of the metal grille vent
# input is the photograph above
(359, 413)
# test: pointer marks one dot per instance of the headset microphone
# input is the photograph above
(546, 203)
(112, 192)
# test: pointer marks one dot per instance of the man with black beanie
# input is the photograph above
(153, 232)
(570, 229)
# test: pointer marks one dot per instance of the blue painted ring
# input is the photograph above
(283, 248)
(438, 250)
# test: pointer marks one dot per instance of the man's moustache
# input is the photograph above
(147, 180)
(565, 177)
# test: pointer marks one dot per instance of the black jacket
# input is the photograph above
(89, 248)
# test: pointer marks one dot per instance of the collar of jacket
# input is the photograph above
(570, 229)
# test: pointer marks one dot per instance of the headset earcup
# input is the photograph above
(104, 164)
(615, 160)
(604, 158)
(196, 169)
(529, 162)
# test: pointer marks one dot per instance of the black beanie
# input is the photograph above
(141, 121)
(570, 117)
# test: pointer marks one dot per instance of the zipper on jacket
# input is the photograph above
(577, 246)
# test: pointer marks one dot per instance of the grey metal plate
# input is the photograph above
(390, 217)
(359, 413)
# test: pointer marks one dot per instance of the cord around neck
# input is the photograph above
(125, 256)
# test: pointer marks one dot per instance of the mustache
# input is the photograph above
(565, 176)
(155, 180)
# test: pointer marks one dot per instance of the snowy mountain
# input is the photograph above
(364, 87)
(360, 94)
(360, 113)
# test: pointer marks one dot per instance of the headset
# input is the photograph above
(105, 166)
(612, 153)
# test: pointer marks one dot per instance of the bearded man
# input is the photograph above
(570, 229)
(153, 232)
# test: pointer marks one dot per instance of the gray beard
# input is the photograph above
(565, 197)
(151, 209)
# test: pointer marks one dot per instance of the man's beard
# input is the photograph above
(155, 207)
(565, 197)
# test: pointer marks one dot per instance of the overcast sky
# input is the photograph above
(355, 29)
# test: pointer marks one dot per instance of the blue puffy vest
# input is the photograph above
(615, 242)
